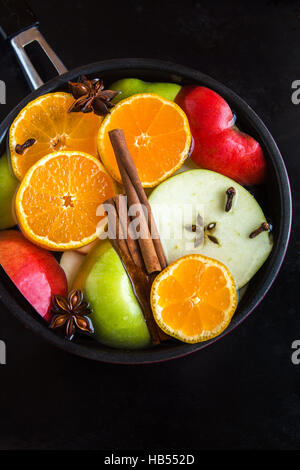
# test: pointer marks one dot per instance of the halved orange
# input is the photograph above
(46, 120)
(57, 201)
(194, 298)
(157, 133)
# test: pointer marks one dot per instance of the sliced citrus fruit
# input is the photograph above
(57, 201)
(194, 298)
(46, 120)
(157, 134)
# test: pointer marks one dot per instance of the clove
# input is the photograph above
(20, 149)
(264, 227)
(230, 194)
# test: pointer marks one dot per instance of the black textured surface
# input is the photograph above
(242, 392)
(15, 17)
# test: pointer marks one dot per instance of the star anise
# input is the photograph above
(90, 96)
(71, 312)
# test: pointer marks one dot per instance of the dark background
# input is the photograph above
(242, 392)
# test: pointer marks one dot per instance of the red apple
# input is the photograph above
(218, 143)
(33, 270)
(232, 153)
(208, 113)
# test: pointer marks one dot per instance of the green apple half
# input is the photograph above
(131, 86)
(176, 204)
(8, 187)
(116, 314)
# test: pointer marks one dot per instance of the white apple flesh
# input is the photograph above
(71, 262)
(176, 204)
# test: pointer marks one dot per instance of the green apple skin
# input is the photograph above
(132, 86)
(204, 192)
(116, 314)
(8, 186)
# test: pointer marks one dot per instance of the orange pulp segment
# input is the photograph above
(194, 298)
(157, 133)
(57, 201)
(47, 121)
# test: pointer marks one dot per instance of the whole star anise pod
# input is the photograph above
(71, 312)
(90, 96)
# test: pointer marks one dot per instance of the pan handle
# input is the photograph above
(23, 39)
(19, 24)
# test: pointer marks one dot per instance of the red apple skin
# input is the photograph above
(208, 113)
(218, 144)
(33, 270)
(234, 154)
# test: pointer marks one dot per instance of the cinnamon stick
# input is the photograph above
(113, 218)
(142, 253)
(141, 285)
(132, 244)
(136, 194)
(123, 156)
(128, 251)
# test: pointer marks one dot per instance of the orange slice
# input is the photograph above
(194, 298)
(157, 134)
(46, 120)
(57, 201)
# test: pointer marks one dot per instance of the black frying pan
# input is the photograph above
(19, 26)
